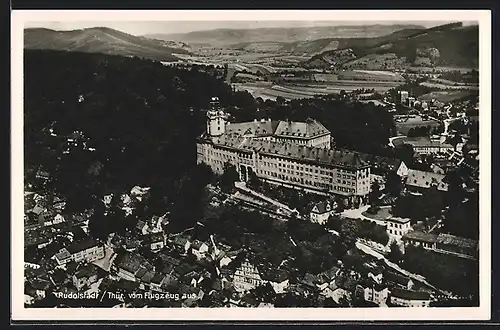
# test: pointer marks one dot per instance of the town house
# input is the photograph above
(85, 276)
(247, 277)
(321, 212)
(397, 228)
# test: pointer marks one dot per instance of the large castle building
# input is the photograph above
(292, 154)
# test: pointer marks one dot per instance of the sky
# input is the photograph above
(144, 27)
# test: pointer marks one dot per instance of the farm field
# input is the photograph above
(439, 69)
(370, 75)
(304, 90)
(445, 96)
(446, 86)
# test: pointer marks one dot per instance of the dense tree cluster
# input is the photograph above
(458, 275)
(419, 207)
(139, 121)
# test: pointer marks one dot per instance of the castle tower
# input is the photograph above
(216, 118)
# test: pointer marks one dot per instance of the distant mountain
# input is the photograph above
(102, 40)
(446, 45)
(227, 37)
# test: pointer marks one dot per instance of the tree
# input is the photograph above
(349, 230)
(334, 223)
(228, 178)
(375, 193)
(254, 182)
(395, 255)
(393, 184)
(405, 152)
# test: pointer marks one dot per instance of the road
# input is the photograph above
(358, 214)
(368, 250)
(393, 138)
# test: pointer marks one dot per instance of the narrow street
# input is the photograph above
(368, 250)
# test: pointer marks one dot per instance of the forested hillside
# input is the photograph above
(141, 118)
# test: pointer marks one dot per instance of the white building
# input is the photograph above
(293, 154)
(397, 228)
(321, 212)
(247, 277)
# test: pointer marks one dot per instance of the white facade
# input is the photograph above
(378, 297)
(397, 228)
(247, 277)
(280, 287)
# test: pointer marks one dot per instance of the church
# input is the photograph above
(288, 153)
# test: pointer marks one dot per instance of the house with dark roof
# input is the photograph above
(180, 243)
(41, 287)
(459, 246)
(418, 238)
(86, 249)
(396, 280)
(131, 266)
(279, 279)
(375, 292)
(443, 243)
(85, 276)
(322, 211)
(199, 249)
(424, 180)
(155, 241)
(408, 298)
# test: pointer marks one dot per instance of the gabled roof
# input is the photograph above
(197, 244)
(252, 128)
(321, 207)
(422, 179)
(339, 157)
(308, 129)
(456, 241)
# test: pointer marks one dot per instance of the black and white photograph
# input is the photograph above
(296, 164)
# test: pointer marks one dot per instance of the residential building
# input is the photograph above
(278, 278)
(181, 243)
(156, 241)
(427, 146)
(397, 227)
(459, 246)
(86, 250)
(199, 249)
(397, 280)
(417, 238)
(247, 277)
(403, 96)
(407, 298)
(419, 180)
(131, 266)
(85, 276)
(321, 212)
(376, 293)
(294, 154)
